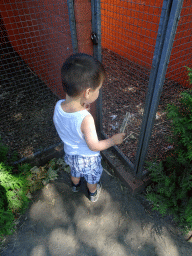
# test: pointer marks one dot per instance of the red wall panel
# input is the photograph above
(39, 31)
(82, 10)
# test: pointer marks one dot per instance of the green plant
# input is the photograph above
(17, 184)
(6, 215)
(24, 169)
(172, 177)
(171, 193)
(189, 74)
(13, 198)
(16, 188)
(181, 117)
(6, 222)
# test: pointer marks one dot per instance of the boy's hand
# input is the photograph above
(118, 138)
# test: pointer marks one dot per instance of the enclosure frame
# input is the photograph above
(166, 33)
(159, 67)
(96, 29)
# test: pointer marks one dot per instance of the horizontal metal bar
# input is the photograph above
(124, 159)
(39, 152)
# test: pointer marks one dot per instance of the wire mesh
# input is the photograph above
(129, 30)
(176, 81)
(35, 40)
(181, 54)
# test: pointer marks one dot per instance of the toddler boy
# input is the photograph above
(82, 77)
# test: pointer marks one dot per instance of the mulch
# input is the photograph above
(27, 106)
(125, 91)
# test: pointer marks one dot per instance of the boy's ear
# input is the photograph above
(87, 93)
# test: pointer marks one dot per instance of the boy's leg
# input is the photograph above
(75, 176)
(92, 187)
(93, 178)
(94, 191)
(75, 180)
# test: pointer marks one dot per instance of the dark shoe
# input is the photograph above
(75, 188)
(95, 196)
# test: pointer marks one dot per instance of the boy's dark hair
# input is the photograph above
(79, 72)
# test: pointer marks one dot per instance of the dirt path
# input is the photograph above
(59, 222)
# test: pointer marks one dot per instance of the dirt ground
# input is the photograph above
(59, 222)
(27, 106)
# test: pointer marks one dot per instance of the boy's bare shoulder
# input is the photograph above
(87, 124)
(89, 131)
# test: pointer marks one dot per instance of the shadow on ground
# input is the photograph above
(60, 222)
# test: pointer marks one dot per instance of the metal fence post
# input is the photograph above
(72, 25)
(96, 29)
(157, 78)
(155, 63)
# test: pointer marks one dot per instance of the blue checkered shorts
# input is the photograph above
(88, 167)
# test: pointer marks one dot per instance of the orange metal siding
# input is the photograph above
(82, 10)
(182, 47)
(129, 28)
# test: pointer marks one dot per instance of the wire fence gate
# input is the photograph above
(134, 41)
(137, 40)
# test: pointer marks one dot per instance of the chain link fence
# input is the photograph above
(129, 33)
(129, 30)
(35, 39)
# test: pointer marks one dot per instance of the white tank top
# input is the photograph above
(68, 126)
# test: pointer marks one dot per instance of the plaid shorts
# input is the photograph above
(88, 167)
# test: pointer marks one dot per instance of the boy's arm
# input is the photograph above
(89, 131)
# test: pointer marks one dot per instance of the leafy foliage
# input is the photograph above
(6, 222)
(16, 186)
(182, 127)
(171, 193)
(172, 190)
(13, 197)
(189, 74)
